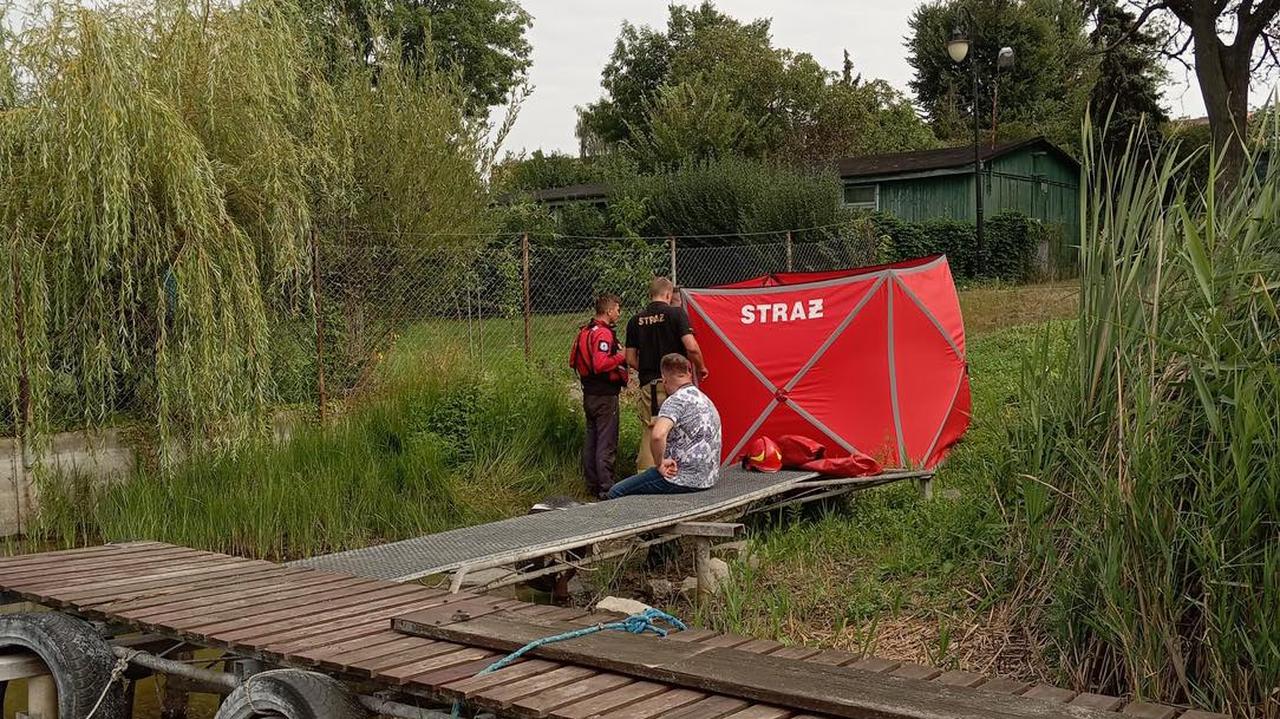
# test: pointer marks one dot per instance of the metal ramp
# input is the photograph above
(537, 535)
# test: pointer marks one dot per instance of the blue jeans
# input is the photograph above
(649, 481)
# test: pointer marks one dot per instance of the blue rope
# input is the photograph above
(646, 621)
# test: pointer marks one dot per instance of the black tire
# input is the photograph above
(291, 694)
(79, 660)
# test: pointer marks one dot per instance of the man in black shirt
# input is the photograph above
(653, 333)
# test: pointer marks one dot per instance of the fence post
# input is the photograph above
(671, 243)
(528, 303)
(790, 264)
(322, 398)
(22, 423)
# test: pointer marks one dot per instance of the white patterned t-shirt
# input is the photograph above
(694, 441)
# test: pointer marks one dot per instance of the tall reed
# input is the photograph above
(1151, 446)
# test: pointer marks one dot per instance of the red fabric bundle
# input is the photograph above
(855, 465)
(796, 450)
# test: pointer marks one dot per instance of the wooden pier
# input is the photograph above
(341, 625)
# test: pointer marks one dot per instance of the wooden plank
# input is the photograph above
(1005, 686)
(273, 623)
(659, 705)
(760, 712)
(760, 646)
(713, 707)
(1197, 714)
(236, 603)
(961, 678)
(610, 700)
(501, 697)
(728, 530)
(910, 670)
(112, 566)
(374, 656)
(283, 605)
(834, 657)
(539, 705)
(232, 572)
(436, 677)
(692, 635)
(20, 665)
(68, 557)
(62, 586)
(67, 594)
(1048, 693)
(796, 652)
(426, 650)
(299, 645)
(462, 655)
(334, 653)
(250, 584)
(839, 691)
(1101, 702)
(1146, 710)
(466, 688)
(724, 641)
(875, 664)
(51, 569)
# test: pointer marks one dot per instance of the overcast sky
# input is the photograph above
(572, 40)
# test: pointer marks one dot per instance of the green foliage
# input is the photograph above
(1126, 92)
(164, 170)
(480, 43)
(1151, 447)
(444, 447)
(711, 85)
(1044, 93)
(1011, 239)
(540, 171)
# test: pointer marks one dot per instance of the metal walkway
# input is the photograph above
(535, 535)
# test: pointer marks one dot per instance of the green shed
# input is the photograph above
(1032, 176)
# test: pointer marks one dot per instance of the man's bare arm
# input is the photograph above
(633, 358)
(658, 437)
(694, 351)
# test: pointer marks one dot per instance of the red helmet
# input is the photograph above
(762, 455)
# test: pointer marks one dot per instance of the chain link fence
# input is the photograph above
(514, 299)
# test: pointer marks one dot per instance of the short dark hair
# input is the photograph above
(659, 286)
(676, 363)
(603, 302)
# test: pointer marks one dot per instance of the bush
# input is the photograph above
(1011, 240)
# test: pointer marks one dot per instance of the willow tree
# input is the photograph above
(164, 170)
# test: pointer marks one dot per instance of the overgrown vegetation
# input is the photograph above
(164, 171)
(1151, 446)
(443, 445)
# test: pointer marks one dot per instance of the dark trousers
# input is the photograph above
(601, 448)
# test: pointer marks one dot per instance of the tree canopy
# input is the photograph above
(481, 42)
(710, 85)
(1044, 93)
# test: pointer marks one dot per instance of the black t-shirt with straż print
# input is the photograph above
(655, 332)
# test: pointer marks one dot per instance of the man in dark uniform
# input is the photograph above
(655, 332)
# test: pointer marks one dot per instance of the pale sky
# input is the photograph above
(572, 40)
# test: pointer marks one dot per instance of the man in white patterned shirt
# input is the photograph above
(685, 434)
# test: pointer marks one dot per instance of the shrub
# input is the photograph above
(1011, 239)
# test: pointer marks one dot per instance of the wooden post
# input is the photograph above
(174, 697)
(926, 487)
(790, 263)
(528, 303)
(322, 398)
(42, 697)
(671, 243)
(702, 565)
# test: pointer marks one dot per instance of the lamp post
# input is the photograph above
(958, 48)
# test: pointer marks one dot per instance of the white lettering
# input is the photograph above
(779, 312)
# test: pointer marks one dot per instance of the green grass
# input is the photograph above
(889, 563)
(441, 446)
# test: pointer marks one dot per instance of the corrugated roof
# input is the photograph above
(940, 159)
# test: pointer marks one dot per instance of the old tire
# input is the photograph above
(291, 694)
(79, 660)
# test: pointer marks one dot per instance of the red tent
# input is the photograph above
(869, 360)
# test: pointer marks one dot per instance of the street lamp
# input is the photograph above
(958, 49)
